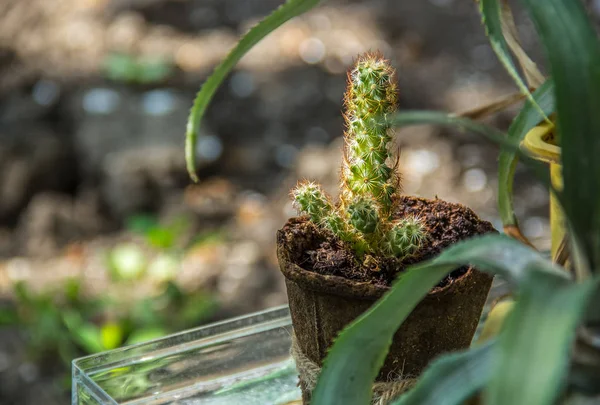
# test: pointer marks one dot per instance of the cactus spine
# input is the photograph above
(368, 183)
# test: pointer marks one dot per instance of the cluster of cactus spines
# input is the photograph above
(368, 184)
(404, 238)
(312, 200)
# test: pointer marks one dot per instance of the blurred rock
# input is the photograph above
(213, 198)
(141, 179)
(32, 160)
(51, 221)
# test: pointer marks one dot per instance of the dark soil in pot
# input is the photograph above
(328, 288)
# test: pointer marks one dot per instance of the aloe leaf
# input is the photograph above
(527, 118)
(290, 9)
(534, 346)
(573, 53)
(359, 351)
(453, 378)
(491, 16)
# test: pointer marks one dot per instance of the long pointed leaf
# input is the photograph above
(359, 351)
(453, 378)
(491, 16)
(574, 54)
(290, 9)
(534, 346)
(527, 118)
(493, 134)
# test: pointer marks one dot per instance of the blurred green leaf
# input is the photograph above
(528, 118)
(121, 67)
(111, 335)
(145, 335)
(141, 223)
(145, 70)
(359, 351)
(198, 306)
(491, 14)
(72, 290)
(573, 53)
(8, 316)
(288, 10)
(21, 293)
(535, 343)
(152, 70)
(453, 378)
(508, 144)
(86, 335)
(164, 267)
(127, 262)
(161, 238)
(209, 238)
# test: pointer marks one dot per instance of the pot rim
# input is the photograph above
(344, 287)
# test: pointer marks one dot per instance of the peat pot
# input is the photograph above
(322, 305)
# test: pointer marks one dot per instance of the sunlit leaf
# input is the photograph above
(111, 335)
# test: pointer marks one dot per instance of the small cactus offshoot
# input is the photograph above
(369, 185)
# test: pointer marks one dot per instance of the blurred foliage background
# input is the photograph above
(104, 241)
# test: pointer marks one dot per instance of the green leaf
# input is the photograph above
(8, 316)
(453, 378)
(160, 237)
(491, 16)
(145, 335)
(111, 335)
(121, 67)
(528, 117)
(141, 223)
(359, 351)
(290, 9)
(533, 351)
(87, 335)
(573, 53)
(493, 134)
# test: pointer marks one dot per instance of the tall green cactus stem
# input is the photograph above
(363, 218)
(370, 97)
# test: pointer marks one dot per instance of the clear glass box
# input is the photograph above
(244, 360)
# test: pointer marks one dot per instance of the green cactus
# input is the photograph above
(368, 184)
(312, 200)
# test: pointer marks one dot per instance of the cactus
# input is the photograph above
(363, 217)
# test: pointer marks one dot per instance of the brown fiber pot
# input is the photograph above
(322, 305)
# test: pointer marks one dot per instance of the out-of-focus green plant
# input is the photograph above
(67, 323)
(547, 351)
(131, 69)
